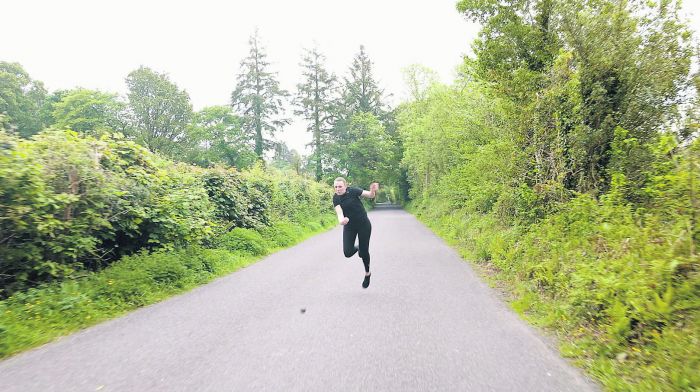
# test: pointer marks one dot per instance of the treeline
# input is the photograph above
(565, 158)
(353, 131)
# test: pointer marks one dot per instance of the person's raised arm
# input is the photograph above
(372, 192)
(341, 219)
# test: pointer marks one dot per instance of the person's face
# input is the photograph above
(340, 187)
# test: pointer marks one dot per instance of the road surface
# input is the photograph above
(426, 323)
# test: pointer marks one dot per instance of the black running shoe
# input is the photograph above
(365, 283)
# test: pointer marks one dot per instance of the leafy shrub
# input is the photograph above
(226, 189)
(244, 240)
(71, 203)
(181, 212)
(281, 233)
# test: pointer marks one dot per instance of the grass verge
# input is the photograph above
(622, 300)
(40, 315)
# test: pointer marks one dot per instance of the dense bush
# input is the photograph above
(245, 240)
(617, 273)
(574, 179)
(281, 233)
(70, 203)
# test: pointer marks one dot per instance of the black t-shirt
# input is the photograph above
(351, 205)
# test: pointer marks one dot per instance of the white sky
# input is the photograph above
(200, 44)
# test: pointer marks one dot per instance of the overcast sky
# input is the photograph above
(200, 44)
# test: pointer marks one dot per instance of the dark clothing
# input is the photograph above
(358, 225)
(351, 205)
(363, 231)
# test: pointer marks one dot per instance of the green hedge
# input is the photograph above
(70, 204)
(620, 285)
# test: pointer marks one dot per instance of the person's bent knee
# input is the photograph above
(349, 251)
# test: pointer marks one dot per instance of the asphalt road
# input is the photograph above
(426, 323)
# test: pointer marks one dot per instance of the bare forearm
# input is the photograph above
(372, 192)
(339, 213)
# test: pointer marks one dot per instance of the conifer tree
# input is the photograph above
(361, 93)
(258, 98)
(316, 102)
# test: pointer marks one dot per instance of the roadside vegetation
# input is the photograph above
(93, 228)
(564, 161)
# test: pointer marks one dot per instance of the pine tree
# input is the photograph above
(316, 103)
(258, 98)
(361, 93)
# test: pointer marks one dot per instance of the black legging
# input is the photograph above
(362, 230)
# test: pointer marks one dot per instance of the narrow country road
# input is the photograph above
(426, 323)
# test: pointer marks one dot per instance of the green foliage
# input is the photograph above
(551, 162)
(243, 240)
(215, 137)
(234, 203)
(27, 208)
(448, 128)
(517, 43)
(282, 233)
(578, 70)
(258, 97)
(161, 111)
(362, 93)
(71, 204)
(89, 112)
(181, 212)
(21, 99)
(365, 152)
(286, 159)
(419, 80)
(318, 105)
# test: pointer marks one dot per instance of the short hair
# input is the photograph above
(341, 179)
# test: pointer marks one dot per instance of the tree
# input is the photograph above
(21, 99)
(4, 123)
(89, 112)
(632, 62)
(284, 158)
(517, 43)
(160, 110)
(317, 104)
(365, 153)
(419, 79)
(258, 97)
(361, 93)
(577, 70)
(215, 137)
(46, 111)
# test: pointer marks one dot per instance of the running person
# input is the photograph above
(352, 215)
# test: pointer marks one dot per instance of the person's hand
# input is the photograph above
(374, 186)
(345, 221)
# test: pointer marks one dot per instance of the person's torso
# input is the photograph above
(352, 205)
